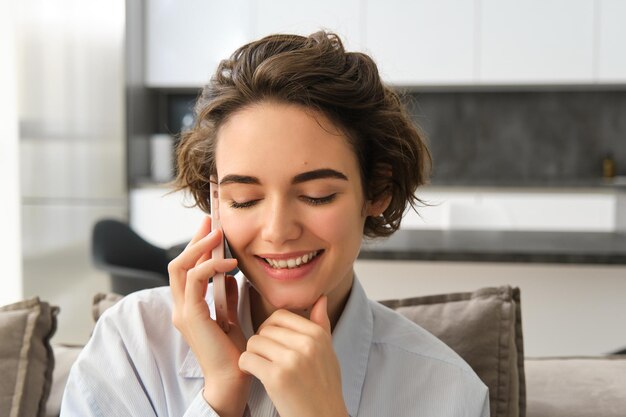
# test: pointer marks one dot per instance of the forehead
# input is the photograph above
(276, 139)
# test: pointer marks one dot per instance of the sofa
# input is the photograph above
(483, 326)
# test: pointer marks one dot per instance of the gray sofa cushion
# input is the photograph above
(101, 302)
(576, 387)
(26, 358)
(64, 358)
(484, 327)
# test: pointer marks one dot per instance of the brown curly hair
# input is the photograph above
(315, 72)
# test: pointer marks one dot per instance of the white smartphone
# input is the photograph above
(219, 280)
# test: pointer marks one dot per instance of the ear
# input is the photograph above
(377, 207)
(382, 187)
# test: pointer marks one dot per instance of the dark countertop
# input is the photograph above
(500, 246)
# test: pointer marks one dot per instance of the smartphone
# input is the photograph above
(219, 280)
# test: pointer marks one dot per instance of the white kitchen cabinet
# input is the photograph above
(304, 18)
(567, 211)
(415, 43)
(611, 56)
(516, 209)
(422, 42)
(185, 40)
(536, 42)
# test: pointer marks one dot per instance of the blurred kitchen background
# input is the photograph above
(523, 102)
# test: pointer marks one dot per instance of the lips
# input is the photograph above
(271, 263)
(292, 262)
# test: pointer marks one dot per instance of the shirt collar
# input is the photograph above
(352, 338)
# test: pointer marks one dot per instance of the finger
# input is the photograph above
(232, 299)
(256, 365)
(205, 229)
(292, 321)
(196, 285)
(204, 257)
(190, 256)
(319, 314)
(178, 267)
(267, 348)
(286, 337)
(177, 282)
(212, 266)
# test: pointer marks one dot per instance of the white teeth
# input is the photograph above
(293, 262)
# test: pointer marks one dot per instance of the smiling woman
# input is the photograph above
(307, 199)
(310, 153)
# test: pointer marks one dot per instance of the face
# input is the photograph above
(291, 203)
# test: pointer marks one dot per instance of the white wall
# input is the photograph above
(10, 251)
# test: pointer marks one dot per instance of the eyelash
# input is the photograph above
(321, 200)
(309, 200)
(245, 204)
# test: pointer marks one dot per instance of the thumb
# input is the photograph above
(319, 313)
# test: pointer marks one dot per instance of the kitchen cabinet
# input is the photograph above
(418, 43)
(591, 210)
(611, 56)
(536, 42)
(185, 40)
(304, 18)
(422, 42)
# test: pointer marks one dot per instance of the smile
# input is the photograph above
(291, 262)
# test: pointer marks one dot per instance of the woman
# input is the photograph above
(311, 153)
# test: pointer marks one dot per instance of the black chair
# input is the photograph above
(133, 263)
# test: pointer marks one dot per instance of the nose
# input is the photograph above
(279, 223)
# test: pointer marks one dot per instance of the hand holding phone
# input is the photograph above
(219, 280)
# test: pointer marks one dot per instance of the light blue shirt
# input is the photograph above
(138, 364)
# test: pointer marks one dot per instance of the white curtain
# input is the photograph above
(11, 288)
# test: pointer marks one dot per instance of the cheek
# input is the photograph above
(238, 230)
(341, 225)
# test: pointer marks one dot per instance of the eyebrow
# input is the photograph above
(298, 179)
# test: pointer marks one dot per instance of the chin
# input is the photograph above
(291, 304)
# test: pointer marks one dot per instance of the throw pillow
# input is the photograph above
(484, 327)
(103, 301)
(26, 358)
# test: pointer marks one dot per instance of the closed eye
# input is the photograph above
(242, 205)
(316, 201)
